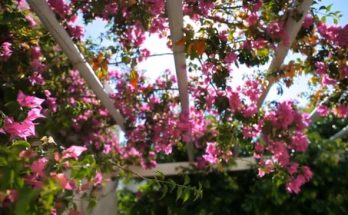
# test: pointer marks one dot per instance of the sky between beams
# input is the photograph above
(154, 66)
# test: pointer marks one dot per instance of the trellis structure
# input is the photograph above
(175, 15)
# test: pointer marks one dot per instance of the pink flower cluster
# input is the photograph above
(25, 128)
(341, 110)
(38, 67)
(334, 33)
(276, 30)
(211, 153)
(60, 7)
(38, 168)
(5, 51)
(283, 135)
(296, 181)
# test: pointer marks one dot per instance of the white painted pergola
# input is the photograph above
(175, 16)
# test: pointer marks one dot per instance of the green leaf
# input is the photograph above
(24, 200)
(21, 143)
(323, 19)
(328, 8)
(186, 196)
(262, 52)
(172, 185)
(186, 180)
(164, 192)
(179, 193)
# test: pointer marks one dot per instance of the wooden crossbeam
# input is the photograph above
(340, 134)
(177, 168)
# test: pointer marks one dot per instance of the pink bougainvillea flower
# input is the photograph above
(230, 58)
(275, 29)
(326, 80)
(235, 102)
(36, 52)
(322, 110)
(320, 68)
(53, 211)
(280, 153)
(341, 110)
(342, 37)
(38, 166)
(284, 115)
(308, 21)
(34, 114)
(60, 7)
(29, 101)
(292, 169)
(344, 72)
(307, 173)
(51, 101)
(76, 32)
(211, 153)
(252, 19)
(110, 9)
(19, 129)
(64, 182)
(295, 184)
(31, 20)
(299, 141)
(5, 50)
(12, 195)
(266, 167)
(36, 79)
(22, 129)
(21, 4)
(98, 178)
(74, 152)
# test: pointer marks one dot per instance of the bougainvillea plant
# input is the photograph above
(58, 140)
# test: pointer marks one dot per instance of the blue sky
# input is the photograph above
(156, 65)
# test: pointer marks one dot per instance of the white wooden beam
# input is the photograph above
(292, 28)
(177, 168)
(314, 114)
(48, 19)
(176, 25)
(340, 134)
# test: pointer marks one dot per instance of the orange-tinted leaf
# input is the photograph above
(181, 42)
(200, 47)
(100, 65)
(197, 46)
(132, 2)
(133, 78)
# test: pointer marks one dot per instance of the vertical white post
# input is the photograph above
(176, 24)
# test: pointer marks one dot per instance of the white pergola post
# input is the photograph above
(48, 19)
(292, 27)
(176, 24)
(107, 204)
(340, 134)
